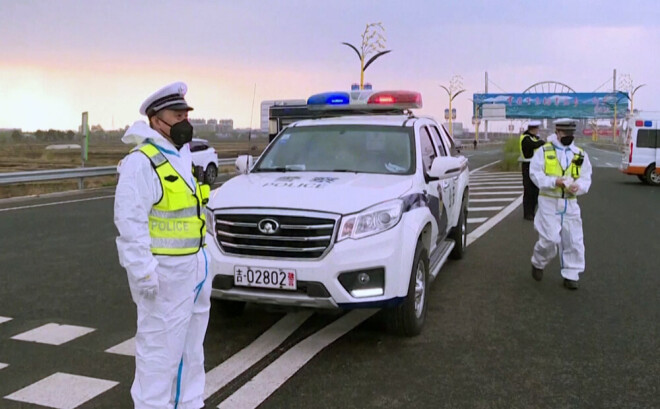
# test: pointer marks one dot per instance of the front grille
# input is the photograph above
(300, 237)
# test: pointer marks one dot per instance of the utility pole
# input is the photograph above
(486, 122)
(614, 137)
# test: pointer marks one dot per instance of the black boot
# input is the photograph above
(537, 273)
(570, 284)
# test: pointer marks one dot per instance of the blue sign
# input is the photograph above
(556, 105)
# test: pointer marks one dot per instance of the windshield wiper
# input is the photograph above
(345, 170)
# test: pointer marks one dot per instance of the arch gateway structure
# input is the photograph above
(550, 100)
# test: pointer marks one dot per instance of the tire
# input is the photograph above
(652, 177)
(407, 319)
(459, 233)
(211, 173)
(642, 178)
(228, 308)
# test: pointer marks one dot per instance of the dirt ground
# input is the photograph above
(28, 156)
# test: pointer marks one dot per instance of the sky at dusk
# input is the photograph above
(59, 58)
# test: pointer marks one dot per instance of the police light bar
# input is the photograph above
(396, 99)
(646, 124)
(339, 98)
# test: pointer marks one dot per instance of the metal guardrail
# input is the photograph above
(75, 173)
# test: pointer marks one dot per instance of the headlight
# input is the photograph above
(371, 221)
(210, 222)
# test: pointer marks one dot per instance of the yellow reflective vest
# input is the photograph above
(553, 168)
(522, 157)
(176, 222)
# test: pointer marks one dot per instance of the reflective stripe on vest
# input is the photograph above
(176, 222)
(553, 168)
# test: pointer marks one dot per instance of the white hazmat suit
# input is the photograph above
(172, 293)
(558, 221)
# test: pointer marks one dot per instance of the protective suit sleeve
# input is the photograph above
(584, 181)
(537, 172)
(137, 190)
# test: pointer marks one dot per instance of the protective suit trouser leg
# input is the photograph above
(162, 330)
(572, 248)
(193, 376)
(548, 226)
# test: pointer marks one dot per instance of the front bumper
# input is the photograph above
(318, 280)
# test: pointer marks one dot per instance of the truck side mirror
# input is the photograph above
(244, 164)
(447, 167)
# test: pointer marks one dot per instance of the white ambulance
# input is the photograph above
(350, 211)
(641, 154)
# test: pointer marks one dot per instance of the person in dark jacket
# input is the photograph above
(529, 143)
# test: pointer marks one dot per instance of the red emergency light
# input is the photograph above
(639, 123)
(410, 99)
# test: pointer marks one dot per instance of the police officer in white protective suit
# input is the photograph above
(562, 172)
(159, 212)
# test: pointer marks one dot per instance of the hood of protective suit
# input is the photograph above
(140, 131)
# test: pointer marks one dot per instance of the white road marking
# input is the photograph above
(609, 164)
(485, 209)
(484, 166)
(4, 319)
(495, 187)
(499, 199)
(259, 388)
(472, 220)
(227, 371)
(55, 203)
(125, 348)
(3, 366)
(62, 391)
(53, 334)
(515, 193)
(493, 183)
(481, 230)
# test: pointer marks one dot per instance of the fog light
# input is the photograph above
(364, 283)
(363, 278)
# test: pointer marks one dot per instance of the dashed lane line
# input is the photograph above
(227, 371)
(266, 382)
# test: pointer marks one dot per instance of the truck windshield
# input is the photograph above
(341, 148)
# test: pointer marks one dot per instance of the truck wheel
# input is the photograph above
(652, 177)
(407, 318)
(210, 174)
(459, 233)
(228, 308)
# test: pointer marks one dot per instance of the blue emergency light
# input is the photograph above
(329, 98)
(648, 124)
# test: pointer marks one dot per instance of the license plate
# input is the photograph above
(264, 277)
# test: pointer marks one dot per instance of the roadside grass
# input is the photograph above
(510, 154)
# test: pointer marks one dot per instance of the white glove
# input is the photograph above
(148, 286)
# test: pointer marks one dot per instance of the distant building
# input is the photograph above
(225, 126)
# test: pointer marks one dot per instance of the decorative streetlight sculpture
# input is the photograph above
(626, 84)
(455, 89)
(373, 42)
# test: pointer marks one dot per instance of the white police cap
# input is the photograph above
(534, 123)
(566, 124)
(169, 97)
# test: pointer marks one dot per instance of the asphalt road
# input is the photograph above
(494, 337)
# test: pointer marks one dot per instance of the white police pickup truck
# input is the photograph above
(343, 212)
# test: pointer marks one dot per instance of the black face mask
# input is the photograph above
(566, 140)
(181, 132)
